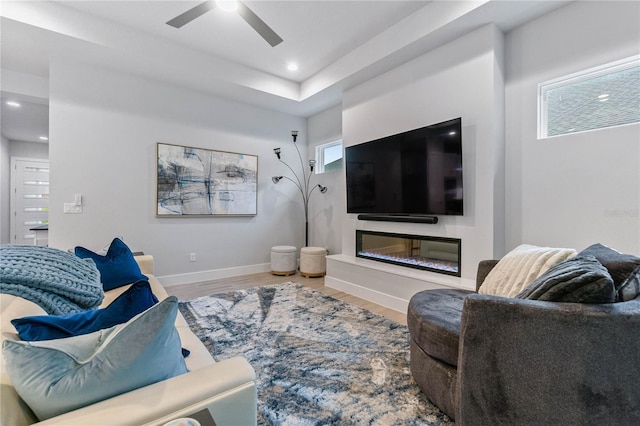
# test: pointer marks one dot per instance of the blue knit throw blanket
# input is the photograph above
(58, 281)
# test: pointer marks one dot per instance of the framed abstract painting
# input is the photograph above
(203, 182)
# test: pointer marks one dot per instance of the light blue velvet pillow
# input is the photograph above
(117, 268)
(57, 376)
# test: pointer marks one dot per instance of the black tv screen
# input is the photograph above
(418, 172)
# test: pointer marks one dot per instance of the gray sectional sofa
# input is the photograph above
(486, 359)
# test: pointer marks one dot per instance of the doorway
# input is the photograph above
(29, 201)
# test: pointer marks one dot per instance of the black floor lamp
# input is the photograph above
(303, 185)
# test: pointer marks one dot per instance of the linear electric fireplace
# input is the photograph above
(434, 254)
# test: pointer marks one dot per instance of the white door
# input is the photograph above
(29, 200)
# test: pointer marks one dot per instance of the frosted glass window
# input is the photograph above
(600, 97)
(35, 222)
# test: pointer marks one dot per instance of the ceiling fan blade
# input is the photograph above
(258, 24)
(191, 14)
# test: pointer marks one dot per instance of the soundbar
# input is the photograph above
(398, 218)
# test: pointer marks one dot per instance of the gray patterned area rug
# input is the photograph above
(318, 360)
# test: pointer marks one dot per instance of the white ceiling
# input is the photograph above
(27, 122)
(337, 44)
(315, 33)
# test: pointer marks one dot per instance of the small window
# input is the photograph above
(329, 157)
(605, 96)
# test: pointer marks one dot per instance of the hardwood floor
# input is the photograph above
(191, 291)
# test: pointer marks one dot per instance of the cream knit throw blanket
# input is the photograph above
(58, 281)
(518, 268)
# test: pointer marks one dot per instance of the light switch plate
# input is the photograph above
(72, 208)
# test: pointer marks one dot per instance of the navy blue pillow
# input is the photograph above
(136, 299)
(117, 268)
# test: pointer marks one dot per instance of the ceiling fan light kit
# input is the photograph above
(227, 5)
(242, 9)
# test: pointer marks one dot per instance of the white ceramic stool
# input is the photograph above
(313, 261)
(283, 260)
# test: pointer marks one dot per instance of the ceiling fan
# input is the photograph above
(243, 10)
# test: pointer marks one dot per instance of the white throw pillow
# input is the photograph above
(518, 268)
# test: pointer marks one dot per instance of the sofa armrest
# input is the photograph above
(145, 262)
(227, 389)
(484, 267)
(526, 361)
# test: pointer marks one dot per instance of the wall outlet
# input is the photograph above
(192, 257)
(72, 208)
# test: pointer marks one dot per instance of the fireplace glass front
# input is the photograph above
(434, 254)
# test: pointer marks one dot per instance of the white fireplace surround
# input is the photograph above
(463, 78)
(384, 284)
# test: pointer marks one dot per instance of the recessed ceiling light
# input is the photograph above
(604, 95)
(292, 66)
(44, 138)
(13, 104)
(227, 5)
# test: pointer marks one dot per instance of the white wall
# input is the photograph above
(574, 190)
(325, 210)
(568, 191)
(460, 79)
(5, 178)
(104, 128)
(24, 84)
(29, 150)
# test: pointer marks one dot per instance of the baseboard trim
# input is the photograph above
(386, 300)
(213, 274)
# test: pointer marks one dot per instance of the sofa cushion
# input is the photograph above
(433, 319)
(581, 279)
(518, 268)
(198, 356)
(57, 376)
(623, 268)
(136, 299)
(117, 268)
(16, 307)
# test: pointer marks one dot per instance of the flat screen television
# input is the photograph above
(418, 172)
